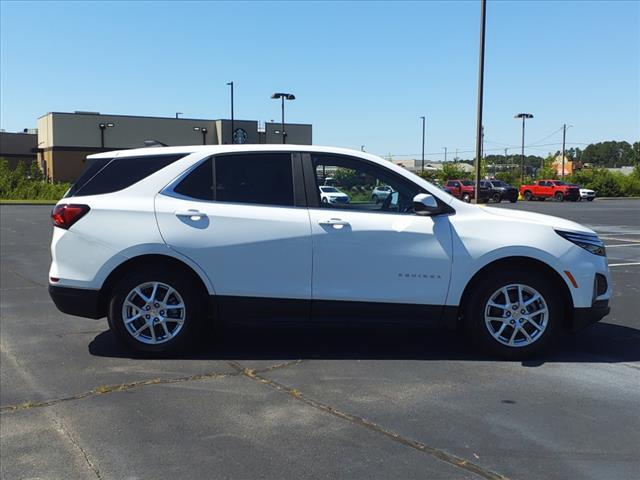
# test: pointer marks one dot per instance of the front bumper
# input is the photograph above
(77, 301)
(583, 317)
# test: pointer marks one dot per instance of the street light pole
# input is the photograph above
(232, 119)
(423, 138)
(483, 15)
(283, 97)
(103, 127)
(523, 116)
(445, 154)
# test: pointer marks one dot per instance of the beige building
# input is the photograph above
(65, 139)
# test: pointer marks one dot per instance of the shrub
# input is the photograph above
(27, 183)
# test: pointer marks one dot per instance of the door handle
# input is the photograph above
(334, 222)
(192, 214)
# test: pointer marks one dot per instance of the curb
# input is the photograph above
(26, 202)
(617, 198)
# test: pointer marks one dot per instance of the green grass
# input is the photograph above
(10, 201)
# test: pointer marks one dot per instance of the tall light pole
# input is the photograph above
(445, 153)
(232, 126)
(523, 116)
(424, 120)
(483, 16)
(103, 127)
(283, 97)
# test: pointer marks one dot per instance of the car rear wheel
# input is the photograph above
(590, 199)
(514, 314)
(528, 196)
(466, 197)
(558, 196)
(496, 198)
(153, 310)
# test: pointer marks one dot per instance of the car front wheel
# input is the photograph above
(153, 310)
(466, 197)
(514, 314)
(559, 197)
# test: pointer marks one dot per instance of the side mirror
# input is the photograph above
(425, 204)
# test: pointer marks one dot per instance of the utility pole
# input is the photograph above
(445, 154)
(564, 136)
(423, 136)
(232, 119)
(523, 116)
(483, 11)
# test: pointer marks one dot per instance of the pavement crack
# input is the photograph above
(106, 389)
(370, 425)
(122, 387)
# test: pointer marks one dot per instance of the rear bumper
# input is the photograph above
(583, 317)
(77, 301)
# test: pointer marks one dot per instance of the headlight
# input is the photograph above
(587, 241)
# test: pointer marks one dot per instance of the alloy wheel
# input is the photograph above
(516, 315)
(153, 313)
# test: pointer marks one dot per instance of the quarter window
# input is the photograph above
(199, 183)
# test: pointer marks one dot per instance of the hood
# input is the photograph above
(336, 194)
(539, 218)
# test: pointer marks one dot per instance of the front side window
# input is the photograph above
(361, 185)
(257, 178)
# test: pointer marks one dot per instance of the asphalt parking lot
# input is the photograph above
(273, 401)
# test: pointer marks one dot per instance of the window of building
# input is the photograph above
(258, 178)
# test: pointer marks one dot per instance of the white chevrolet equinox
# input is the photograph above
(161, 240)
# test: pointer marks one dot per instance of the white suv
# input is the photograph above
(160, 240)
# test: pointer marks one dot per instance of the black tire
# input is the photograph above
(466, 198)
(497, 198)
(514, 200)
(558, 197)
(183, 285)
(590, 199)
(528, 196)
(474, 310)
(324, 200)
(375, 199)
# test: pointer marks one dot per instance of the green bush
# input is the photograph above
(27, 183)
(606, 183)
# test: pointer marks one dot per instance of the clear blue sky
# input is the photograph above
(362, 72)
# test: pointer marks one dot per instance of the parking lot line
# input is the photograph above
(625, 245)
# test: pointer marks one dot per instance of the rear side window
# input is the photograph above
(259, 178)
(199, 183)
(111, 175)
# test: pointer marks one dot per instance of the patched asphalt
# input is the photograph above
(282, 401)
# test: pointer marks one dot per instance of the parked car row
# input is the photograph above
(490, 190)
(556, 189)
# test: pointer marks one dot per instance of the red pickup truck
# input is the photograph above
(555, 189)
(465, 190)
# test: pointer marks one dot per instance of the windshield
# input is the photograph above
(498, 183)
(560, 183)
(467, 183)
(329, 189)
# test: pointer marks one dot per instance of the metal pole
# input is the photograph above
(423, 136)
(102, 138)
(232, 118)
(522, 157)
(564, 135)
(483, 11)
(283, 134)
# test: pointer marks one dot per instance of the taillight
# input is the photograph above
(64, 216)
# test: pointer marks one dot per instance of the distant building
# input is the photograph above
(430, 166)
(65, 139)
(570, 166)
(18, 147)
(623, 170)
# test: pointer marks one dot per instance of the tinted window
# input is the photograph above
(262, 178)
(199, 183)
(467, 183)
(121, 173)
(91, 167)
